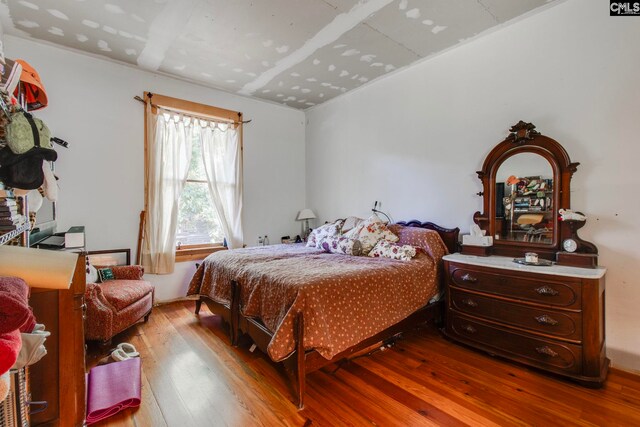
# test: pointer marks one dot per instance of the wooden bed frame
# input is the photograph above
(302, 362)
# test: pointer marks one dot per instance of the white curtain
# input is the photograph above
(168, 157)
(223, 165)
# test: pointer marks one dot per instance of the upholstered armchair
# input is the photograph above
(115, 305)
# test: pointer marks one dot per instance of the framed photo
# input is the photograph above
(110, 257)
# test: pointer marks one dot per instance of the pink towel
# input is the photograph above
(112, 388)
(29, 324)
(14, 306)
(10, 344)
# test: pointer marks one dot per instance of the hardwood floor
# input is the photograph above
(193, 377)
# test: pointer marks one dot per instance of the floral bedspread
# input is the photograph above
(344, 299)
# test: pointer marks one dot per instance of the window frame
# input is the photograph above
(206, 112)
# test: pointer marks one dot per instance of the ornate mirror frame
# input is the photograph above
(525, 139)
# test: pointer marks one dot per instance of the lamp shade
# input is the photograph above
(40, 268)
(305, 214)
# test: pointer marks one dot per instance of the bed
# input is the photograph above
(308, 308)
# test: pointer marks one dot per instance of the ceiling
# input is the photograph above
(296, 52)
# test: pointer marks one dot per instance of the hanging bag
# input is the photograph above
(25, 132)
(28, 145)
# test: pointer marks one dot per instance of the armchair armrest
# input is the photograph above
(99, 320)
(128, 272)
(94, 297)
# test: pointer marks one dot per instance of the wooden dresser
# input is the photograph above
(59, 378)
(551, 318)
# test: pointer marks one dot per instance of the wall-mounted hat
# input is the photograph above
(35, 94)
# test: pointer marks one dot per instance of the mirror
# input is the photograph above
(524, 199)
(526, 180)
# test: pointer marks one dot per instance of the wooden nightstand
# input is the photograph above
(551, 318)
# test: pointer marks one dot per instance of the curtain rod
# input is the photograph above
(138, 98)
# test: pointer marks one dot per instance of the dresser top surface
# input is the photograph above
(506, 263)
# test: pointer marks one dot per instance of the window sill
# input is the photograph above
(197, 253)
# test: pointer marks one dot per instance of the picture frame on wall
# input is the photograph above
(110, 257)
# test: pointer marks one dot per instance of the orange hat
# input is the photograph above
(35, 94)
(513, 180)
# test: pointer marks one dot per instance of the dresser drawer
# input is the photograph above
(511, 285)
(546, 321)
(537, 352)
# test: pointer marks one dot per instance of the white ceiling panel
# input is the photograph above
(360, 55)
(117, 29)
(505, 10)
(428, 26)
(296, 52)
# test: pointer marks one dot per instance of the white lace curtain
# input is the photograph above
(169, 142)
(223, 165)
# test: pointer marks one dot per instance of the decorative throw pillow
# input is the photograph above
(316, 236)
(106, 274)
(341, 245)
(390, 250)
(369, 232)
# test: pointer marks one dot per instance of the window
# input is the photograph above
(198, 222)
(186, 138)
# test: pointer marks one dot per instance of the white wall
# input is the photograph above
(101, 174)
(415, 139)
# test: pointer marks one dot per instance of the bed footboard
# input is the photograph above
(230, 313)
(304, 362)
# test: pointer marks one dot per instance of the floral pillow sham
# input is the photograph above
(387, 249)
(341, 245)
(369, 232)
(326, 230)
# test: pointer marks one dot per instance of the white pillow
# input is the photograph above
(350, 223)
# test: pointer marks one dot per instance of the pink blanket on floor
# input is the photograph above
(112, 388)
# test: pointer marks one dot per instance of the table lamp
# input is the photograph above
(305, 215)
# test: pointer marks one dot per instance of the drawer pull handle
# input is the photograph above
(469, 302)
(547, 291)
(468, 328)
(545, 319)
(546, 351)
(469, 278)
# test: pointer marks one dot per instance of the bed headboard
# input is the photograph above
(448, 235)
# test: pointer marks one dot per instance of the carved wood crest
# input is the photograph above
(522, 132)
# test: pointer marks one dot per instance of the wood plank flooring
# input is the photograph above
(193, 377)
